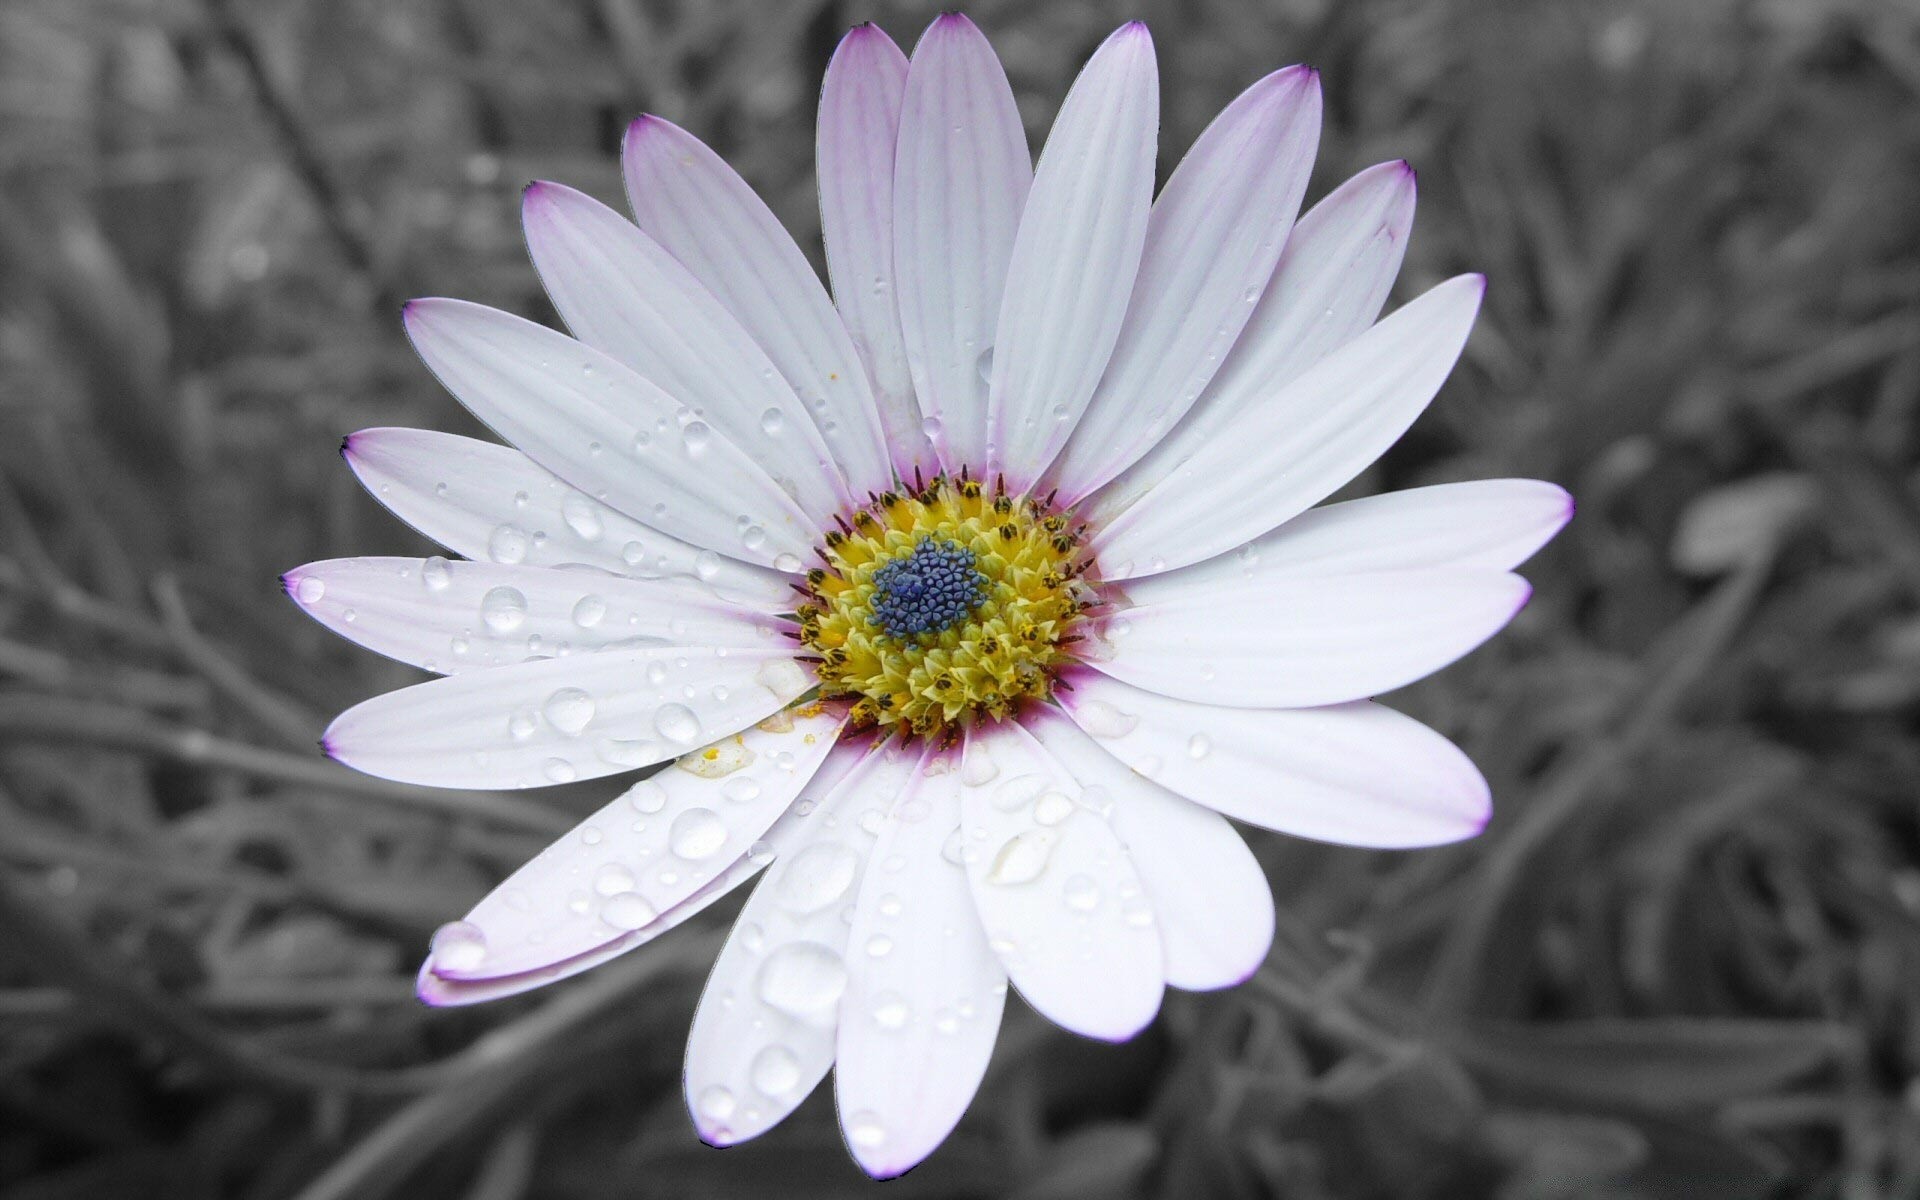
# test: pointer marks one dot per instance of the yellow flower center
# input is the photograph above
(944, 606)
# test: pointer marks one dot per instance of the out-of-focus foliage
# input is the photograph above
(1684, 961)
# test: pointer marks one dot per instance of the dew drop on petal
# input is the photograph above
(503, 609)
(790, 563)
(1081, 893)
(613, 879)
(309, 590)
(1199, 745)
(784, 677)
(741, 790)
(697, 833)
(803, 980)
(865, 1131)
(1023, 858)
(879, 946)
(775, 1071)
(706, 564)
(436, 574)
(457, 947)
(1052, 807)
(559, 770)
(589, 611)
(1018, 792)
(647, 797)
(890, 1010)
(523, 724)
(569, 710)
(627, 910)
(677, 723)
(817, 876)
(1103, 720)
(582, 516)
(716, 1103)
(772, 422)
(507, 544)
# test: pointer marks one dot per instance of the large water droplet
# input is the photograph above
(706, 564)
(569, 710)
(503, 609)
(647, 797)
(716, 1103)
(865, 1131)
(457, 947)
(628, 910)
(804, 980)
(508, 544)
(589, 611)
(772, 422)
(1199, 745)
(697, 435)
(559, 770)
(1023, 858)
(741, 790)
(1103, 720)
(783, 677)
(582, 516)
(697, 833)
(436, 574)
(890, 1010)
(1052, 807)
(677, 723)
(1018, 792)
(818, 876)
(309, 590)
(775, 1071)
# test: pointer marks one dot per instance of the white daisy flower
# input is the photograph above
(968, 604)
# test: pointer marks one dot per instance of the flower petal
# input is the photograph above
(449, 616)
(641, 858)
(1339, 263)
(556, 720)
(858, 130)
(925, 992)
(1314, 434)
(1295, 643)
(691, 202)
(960, 181)
(620, 292)
(491, 502)
(1488, 524)
(1357, 774)
(1213, 239)
(1076, 256)
(1061, 904)
(1210, 897)
(600, 427)
(763, 1035)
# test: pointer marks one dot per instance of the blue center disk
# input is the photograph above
(931, 588)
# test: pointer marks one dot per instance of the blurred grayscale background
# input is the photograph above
(1683, 962)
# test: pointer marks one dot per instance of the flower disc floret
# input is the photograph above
(944, 606)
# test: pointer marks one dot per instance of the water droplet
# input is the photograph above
(741, 790)
(1052, 808)
(977, 767)
(954, 849)
(772, 422)
(1022, 859)
(613, 879)
(457, 947)
(803, 980)
(790, 563)
(628, 910)
(677, 723)
(523, 724)
(508, 544)
(697, 833)
(569, 710)
(647, 797)
(436, 574)
(775, 1071)
(1199, 745)
(817, 876)
(1018, 792)
(784, 677)
(1103, 720)
(890, 905)
(503, 609)
(582, 516)
(589, 611)
(559, 770)
(309, 590)
(879, 946)
(890, 1010)
(1081, 893)
(753, 537)
(706, 564)
(697, 435)
(865, 1131)
(761, 853)
(717, 1103)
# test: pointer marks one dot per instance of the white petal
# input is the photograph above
(1076, 256)
(453, 616)
(620, 292)
(492, 503)
(642, 857)
(610, 433)
(1339, 263)
(1061, 904)
(925, 992)
(1298, 642)
(691, 202)
(960, 181)
(1215, 234)
(1488, 524)
(859, 128)
(1209, 895)
(1294, 448)
(763, 1035)
(560, 719)
(1357, 774)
